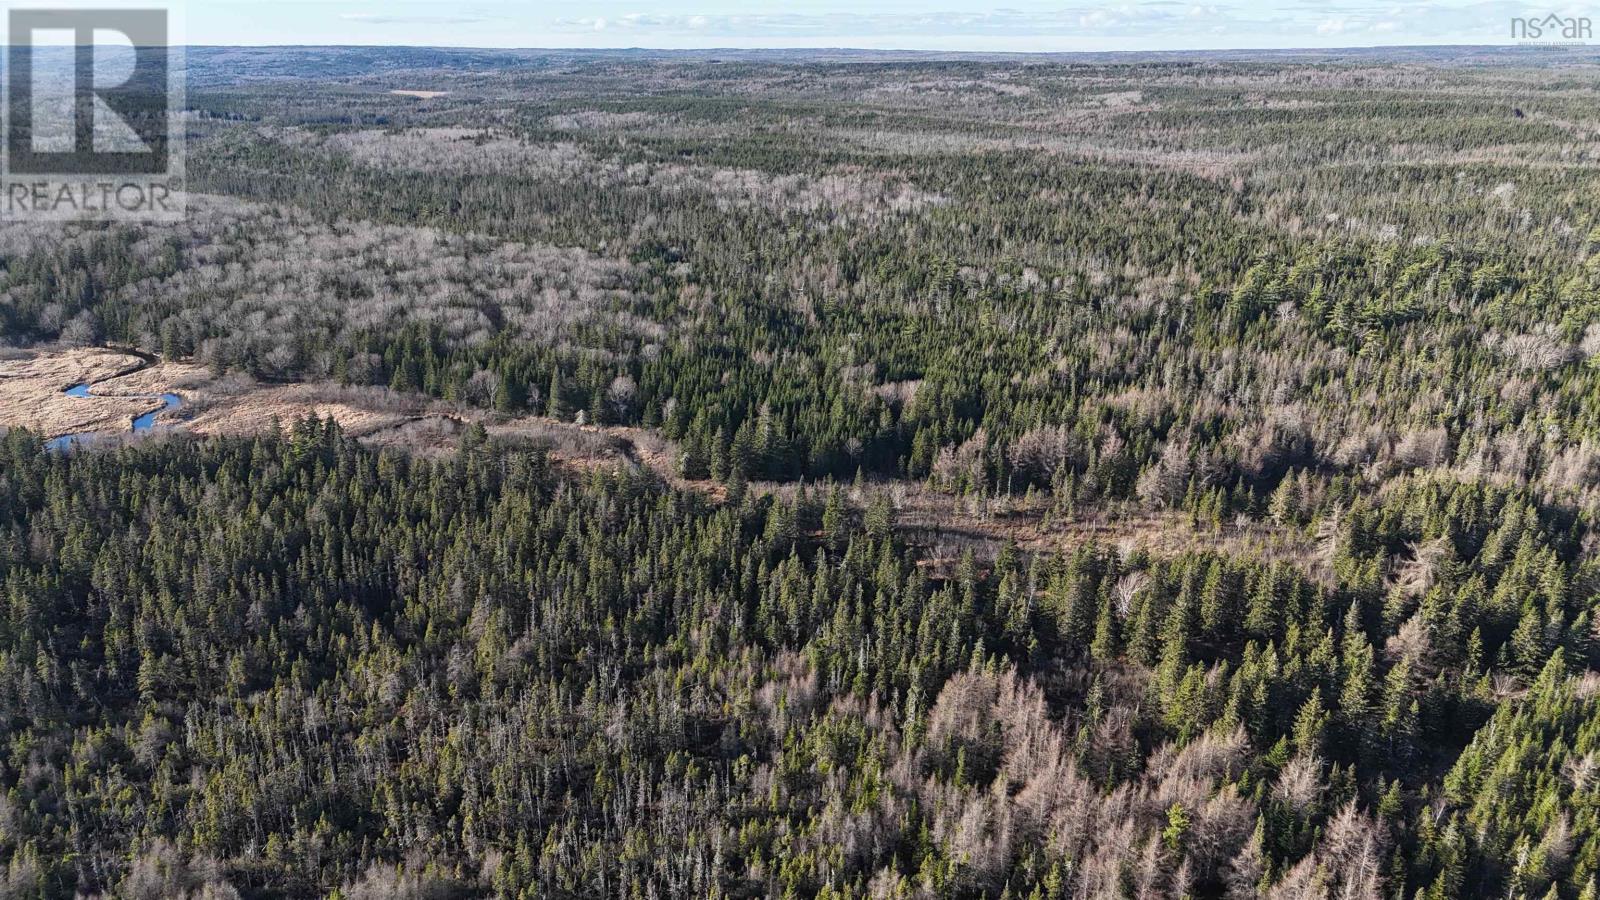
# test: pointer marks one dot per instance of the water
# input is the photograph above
(146, 422)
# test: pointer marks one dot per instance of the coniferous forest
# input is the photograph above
(1068, 478)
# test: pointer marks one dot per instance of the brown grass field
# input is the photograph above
(32, 387)
(31, 396)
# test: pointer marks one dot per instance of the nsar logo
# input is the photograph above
(1552, 28)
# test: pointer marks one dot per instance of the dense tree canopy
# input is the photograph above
(1348, 304)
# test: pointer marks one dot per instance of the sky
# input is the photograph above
(1016, 25)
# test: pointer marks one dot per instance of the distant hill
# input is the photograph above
(231, 65)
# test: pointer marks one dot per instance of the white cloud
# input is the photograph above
(966, 24)
(388, 19)
(1130, 19)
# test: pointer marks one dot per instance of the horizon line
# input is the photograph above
(1550, 46)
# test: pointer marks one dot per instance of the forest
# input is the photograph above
(1250, 407)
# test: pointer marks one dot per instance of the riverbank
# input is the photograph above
(33, 387)
(31, 396)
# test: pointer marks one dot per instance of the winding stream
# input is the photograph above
(141, 423)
